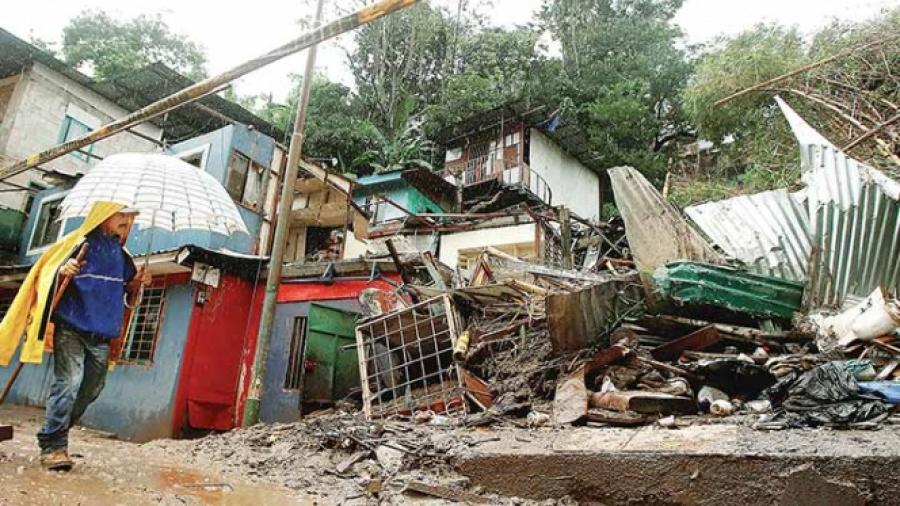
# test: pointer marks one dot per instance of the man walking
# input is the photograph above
(89, 315)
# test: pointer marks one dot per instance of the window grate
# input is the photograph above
(144, 330)
(293, 378)
(406, 361)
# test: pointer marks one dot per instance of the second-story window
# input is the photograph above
(48, 226)
(253, 186)
(454, 154)
(72, 129)
(236, 179)
(244, 181)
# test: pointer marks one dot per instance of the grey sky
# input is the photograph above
(232, 32)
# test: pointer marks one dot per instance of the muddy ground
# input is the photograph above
(111, 472)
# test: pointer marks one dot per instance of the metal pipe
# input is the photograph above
(179, 98)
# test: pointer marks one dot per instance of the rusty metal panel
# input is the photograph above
(854, 220)
(767, 232)
(657, 232)
(580, 318)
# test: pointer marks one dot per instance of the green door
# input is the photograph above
(331, 353)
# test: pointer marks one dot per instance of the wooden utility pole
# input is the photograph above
(565, 233)
(283, 224)
(210, 84)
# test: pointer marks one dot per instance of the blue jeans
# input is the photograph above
(79, 373)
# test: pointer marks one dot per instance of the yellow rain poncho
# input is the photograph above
(29, 313)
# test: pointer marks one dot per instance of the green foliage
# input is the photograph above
(493, 66)
(762, 53)
(842, 99)
(390, 154)
(622, 69)
(400, 62)
(112, 47)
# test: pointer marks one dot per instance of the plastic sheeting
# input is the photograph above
(825, 395)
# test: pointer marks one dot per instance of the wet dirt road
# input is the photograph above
(111, 472)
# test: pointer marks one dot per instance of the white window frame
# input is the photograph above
(457, 153)
(204, 154)
(62, 226)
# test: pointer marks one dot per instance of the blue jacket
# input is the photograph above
(94, 301)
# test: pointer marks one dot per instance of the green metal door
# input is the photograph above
(331, 354)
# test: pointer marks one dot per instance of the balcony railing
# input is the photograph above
(512, 174)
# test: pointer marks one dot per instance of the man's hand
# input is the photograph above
(71, 268)
(143, 276)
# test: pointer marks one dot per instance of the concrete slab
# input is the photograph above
(700, 464)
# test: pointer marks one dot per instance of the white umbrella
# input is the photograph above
(169, 193)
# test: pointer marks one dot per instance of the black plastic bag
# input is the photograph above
(825, 395)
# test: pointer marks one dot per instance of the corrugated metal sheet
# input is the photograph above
(657, 232)
(768, 232)
(854, 217)
(841, 234)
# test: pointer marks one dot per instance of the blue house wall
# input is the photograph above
(219, 146)
(138, 400)
(278, 404)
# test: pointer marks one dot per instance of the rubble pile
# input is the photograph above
(344, 458)
(530, 344)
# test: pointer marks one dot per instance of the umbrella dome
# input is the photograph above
(169, 193)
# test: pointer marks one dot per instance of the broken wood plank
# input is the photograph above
(887, 370)
(756, 335)
(660, 366)
(443, 492)
(477, 389)
(570, 404)
(695, 341)
(624, 340)
(577, 319)
(643, 402)
(347, 463)
(626, 419)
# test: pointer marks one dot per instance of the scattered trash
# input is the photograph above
(667, 422)
(709, 395)
(827, 395)
(536, 419)
(889, 390)
(721, 408)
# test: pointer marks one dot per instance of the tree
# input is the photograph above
(112, 48)
(492, 67)
(621, 72)
(843, 98)
(764, 52)
(399, 64)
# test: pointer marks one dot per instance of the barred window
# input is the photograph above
(140, 343)
(293, 378)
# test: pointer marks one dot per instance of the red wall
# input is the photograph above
(220, 344)
(305, 292)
